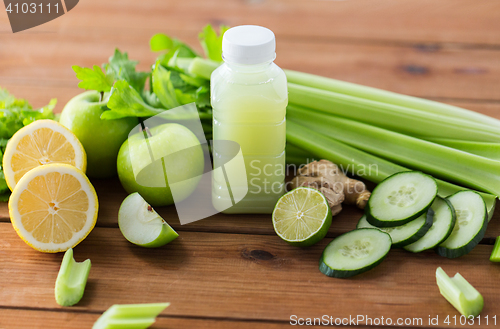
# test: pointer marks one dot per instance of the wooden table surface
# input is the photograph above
(233, 271)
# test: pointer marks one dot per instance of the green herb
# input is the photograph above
(16, 113)
(163, 86)
(120, 67)
(211, 42)
(94, 79)
(124, 69)
(125, 101)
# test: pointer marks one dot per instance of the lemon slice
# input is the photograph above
(53, 207)
(39, 143)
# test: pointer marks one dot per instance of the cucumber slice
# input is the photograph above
(442, 226)
(470, 225)
(354, 252)
(400, 198)
(404, 234)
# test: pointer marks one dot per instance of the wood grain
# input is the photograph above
(67, 319)
(35, 60)
(460, 21)
(111, 194)
(233, 271)
(238, 277)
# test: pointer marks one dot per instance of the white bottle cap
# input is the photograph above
(248, 44)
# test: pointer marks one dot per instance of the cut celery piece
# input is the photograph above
(130, 316)
(460, 293)
(495, 254)
(202, 67)
(71, 280)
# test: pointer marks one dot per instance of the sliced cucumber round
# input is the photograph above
(400, 198)
(470, 224)
(404, 234)
(442, 226)
(354, 252)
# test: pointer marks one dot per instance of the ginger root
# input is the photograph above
(327, 177)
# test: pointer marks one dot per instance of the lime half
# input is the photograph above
(302, 217)
(141, 224)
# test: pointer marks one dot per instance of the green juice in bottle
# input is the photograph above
(249, 98)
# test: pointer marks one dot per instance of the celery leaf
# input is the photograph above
(125, 101)
(94, 79)
(211, 42)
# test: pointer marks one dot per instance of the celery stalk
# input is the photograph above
(131, 316)
(460, 293)
(357, 162)
(487, 150)
(297, 161)
(71, 280)
(297, 151)
(440, 161)
(379, 95)
(392, 117)
(495, 254)
(202, 67)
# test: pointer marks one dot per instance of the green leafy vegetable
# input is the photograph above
(124, 69)
(94, 79)
(16, 113)
(160, 41)
(125, 101)
(211, 42)
(163, 86)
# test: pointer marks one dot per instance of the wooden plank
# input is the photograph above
(463, 21)
(111, 194)
(66, 319)
(238, 277)
(45, 60)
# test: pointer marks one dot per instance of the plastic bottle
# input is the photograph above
(249, 98)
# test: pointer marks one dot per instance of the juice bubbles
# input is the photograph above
(249, 98)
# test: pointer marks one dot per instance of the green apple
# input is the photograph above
(100, 138)
(171, 154)
(141, 224)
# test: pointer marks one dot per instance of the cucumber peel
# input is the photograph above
(71, 280)
(405, 234)
(354, 252)
(442, 226)
(460, 293)
(470, 225)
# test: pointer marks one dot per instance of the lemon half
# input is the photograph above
(40, 143)
(53, 207)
